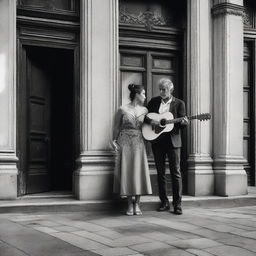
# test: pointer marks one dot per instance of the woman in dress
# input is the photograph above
(131, 177)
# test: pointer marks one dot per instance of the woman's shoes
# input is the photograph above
(129, 211)
(133, 210)
(137, 210)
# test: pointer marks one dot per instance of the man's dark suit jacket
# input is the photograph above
(177, 108)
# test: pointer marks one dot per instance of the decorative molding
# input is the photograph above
(8, 163)
(147, 19)
(247, 19)
(152, 43)
(48, 9)
(96, 157)
(53, 23)
(226, 162)
(228, 9)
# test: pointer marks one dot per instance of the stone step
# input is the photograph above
(67, 203)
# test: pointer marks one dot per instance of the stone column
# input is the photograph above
(199, 97)
(8, 159)
(230, 176)
(99, 53)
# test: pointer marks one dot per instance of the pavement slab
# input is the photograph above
(115, 251)
(32, 242)
(159, 236)
(108, 233)
(152, 246)
(8, 250)
(197, 243)
(199, 231)
(230, 250)
(197, 252)
(80, 242)
(169, 252)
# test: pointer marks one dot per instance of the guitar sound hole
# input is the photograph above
(163, 122)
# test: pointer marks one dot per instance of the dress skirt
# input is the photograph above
(131, 175)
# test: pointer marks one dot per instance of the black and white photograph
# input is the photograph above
(127, 127)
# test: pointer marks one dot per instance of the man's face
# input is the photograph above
(165, 91)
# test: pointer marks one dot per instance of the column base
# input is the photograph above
(230, 177)
(231, 183)
(94, 179)
(200, 177)
(8, 177)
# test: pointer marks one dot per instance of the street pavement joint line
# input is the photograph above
(234, 223)
(93, 237)
(12, 246)
(196, 254)
(243, 248)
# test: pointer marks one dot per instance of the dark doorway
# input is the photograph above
(46, 124)
(249, 111)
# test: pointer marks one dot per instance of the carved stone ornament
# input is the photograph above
(228, 9)
(247, 19)
(147, 18)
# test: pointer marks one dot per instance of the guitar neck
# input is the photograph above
(177, 120)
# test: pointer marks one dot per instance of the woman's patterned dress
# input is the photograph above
(131, 171)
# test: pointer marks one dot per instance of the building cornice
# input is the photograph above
(227, 9)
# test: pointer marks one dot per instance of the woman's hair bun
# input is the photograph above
(135, 88)
(131, 87)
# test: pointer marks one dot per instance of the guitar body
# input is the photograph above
(167, 122)
(151, 134)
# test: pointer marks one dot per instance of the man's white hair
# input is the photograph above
(166, 82)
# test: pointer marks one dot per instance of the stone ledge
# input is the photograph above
(70, 204)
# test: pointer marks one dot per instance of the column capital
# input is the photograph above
(227, 9)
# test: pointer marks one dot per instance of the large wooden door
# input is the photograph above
(46, 120)
(38, 86)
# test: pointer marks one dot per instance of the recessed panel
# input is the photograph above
(246, 129)
(246, 73)
(37, 117)
(162, 63)
(132, 61)
(246, 149)
(39, 80)
(38, 151)
(246, 104)
(48, 4)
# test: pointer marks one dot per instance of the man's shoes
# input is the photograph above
(164, 206)
(177, 210)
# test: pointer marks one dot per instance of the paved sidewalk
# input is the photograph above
(202, 232)
(66, 202)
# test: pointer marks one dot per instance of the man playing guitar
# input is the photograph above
(168, 144)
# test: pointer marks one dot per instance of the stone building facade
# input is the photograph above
(64, 70)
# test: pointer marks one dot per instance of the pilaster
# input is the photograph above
(199, 98)
(230, 176)
(8, 159)
(99, 55)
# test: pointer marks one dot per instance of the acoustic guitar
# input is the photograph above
(166, 124)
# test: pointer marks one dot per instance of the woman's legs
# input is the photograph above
(137, 210)
(130, 206)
